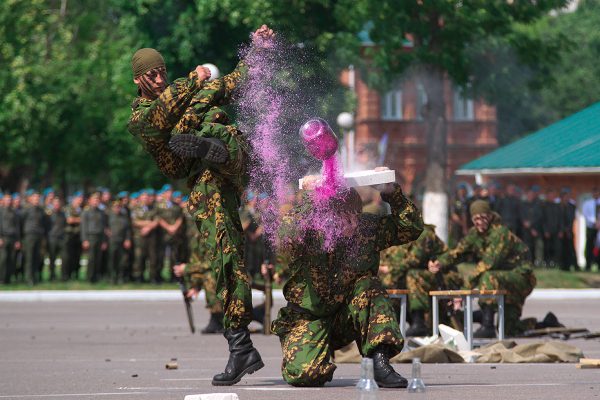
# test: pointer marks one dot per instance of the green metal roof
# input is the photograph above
(570, 144)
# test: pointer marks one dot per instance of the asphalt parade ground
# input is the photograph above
(118, 350)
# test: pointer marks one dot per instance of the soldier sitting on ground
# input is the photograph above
(503, 263)
(335, 297)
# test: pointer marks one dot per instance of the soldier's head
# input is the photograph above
(56, 204)
(6, 200)
(16, 200)
(349, 205)
(149, 72)
(34, 198)
(481, 215)
(511, 190)
(105, 196)
(167, 192)
(94, 200)
(77, 199)
(551, 194)
(533, 192)
(115, 206)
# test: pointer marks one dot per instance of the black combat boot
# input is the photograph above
(417, 325)
(243, 358)
(385, 376)
(190, 146)
(215, 324)
(487, 330)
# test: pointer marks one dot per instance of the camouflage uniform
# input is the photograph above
(119, 225)
(200, 275)
(10, 233)
(171, 212)
(94, 223)
(72, 246)
(186, 107)
(415, 257)
(335, 297)
(56, 238)
(145, 252)
(503, 263)
(35, 230)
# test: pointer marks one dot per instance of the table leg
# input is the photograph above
(501, 317)
(436, 315)
(469, 321)
(403, 315)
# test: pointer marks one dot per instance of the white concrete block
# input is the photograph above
(366, 178)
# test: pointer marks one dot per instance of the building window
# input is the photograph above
(391, 105)
(421, 102)
(462, 106)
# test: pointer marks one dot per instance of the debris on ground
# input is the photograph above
(588, 363)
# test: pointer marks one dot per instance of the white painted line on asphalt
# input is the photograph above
(25, 396)
(175, 295)
(255, 378)
(106, 295)
(271, 389)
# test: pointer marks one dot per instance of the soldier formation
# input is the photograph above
(542, 219)
(119, 239)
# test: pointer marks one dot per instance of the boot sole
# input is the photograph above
(250, 370)
(395, 386)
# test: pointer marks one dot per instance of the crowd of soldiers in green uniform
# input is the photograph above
(123, 238)
(543, 219)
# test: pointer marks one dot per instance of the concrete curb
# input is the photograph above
(175, 295)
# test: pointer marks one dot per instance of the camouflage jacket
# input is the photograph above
(496, 249)
(320, 281)
(181, 108)
(413, 255)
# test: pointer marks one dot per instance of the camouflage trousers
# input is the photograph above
(420, 282)
(308, 341)
(202, 278)
(518, 283)
(214, 203)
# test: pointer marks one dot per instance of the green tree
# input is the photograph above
(440, 33)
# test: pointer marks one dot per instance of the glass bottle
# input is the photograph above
(416, 384)
(366, 386)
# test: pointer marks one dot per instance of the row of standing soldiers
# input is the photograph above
(126, 239)
(539, 221)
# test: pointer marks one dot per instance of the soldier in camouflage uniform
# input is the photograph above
(199, 275)
(56, 236)
(119, 243)
(335, 297)
(35, 230)
(503, 263)
(10, 238)
(171, 221)
(94, 224)
(412, 265)
(72, 246)
(145, 226)
(212, 154)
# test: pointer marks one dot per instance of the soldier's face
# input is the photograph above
(481, 222)
(6, 200)
(76, 202)
(34, 199)
(153, 82)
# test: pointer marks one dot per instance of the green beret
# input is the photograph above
(480, 207)
(144, 60)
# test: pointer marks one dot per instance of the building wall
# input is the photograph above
(407, 147)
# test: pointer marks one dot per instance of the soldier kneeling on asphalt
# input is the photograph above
(503, 263)
(334, 296)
